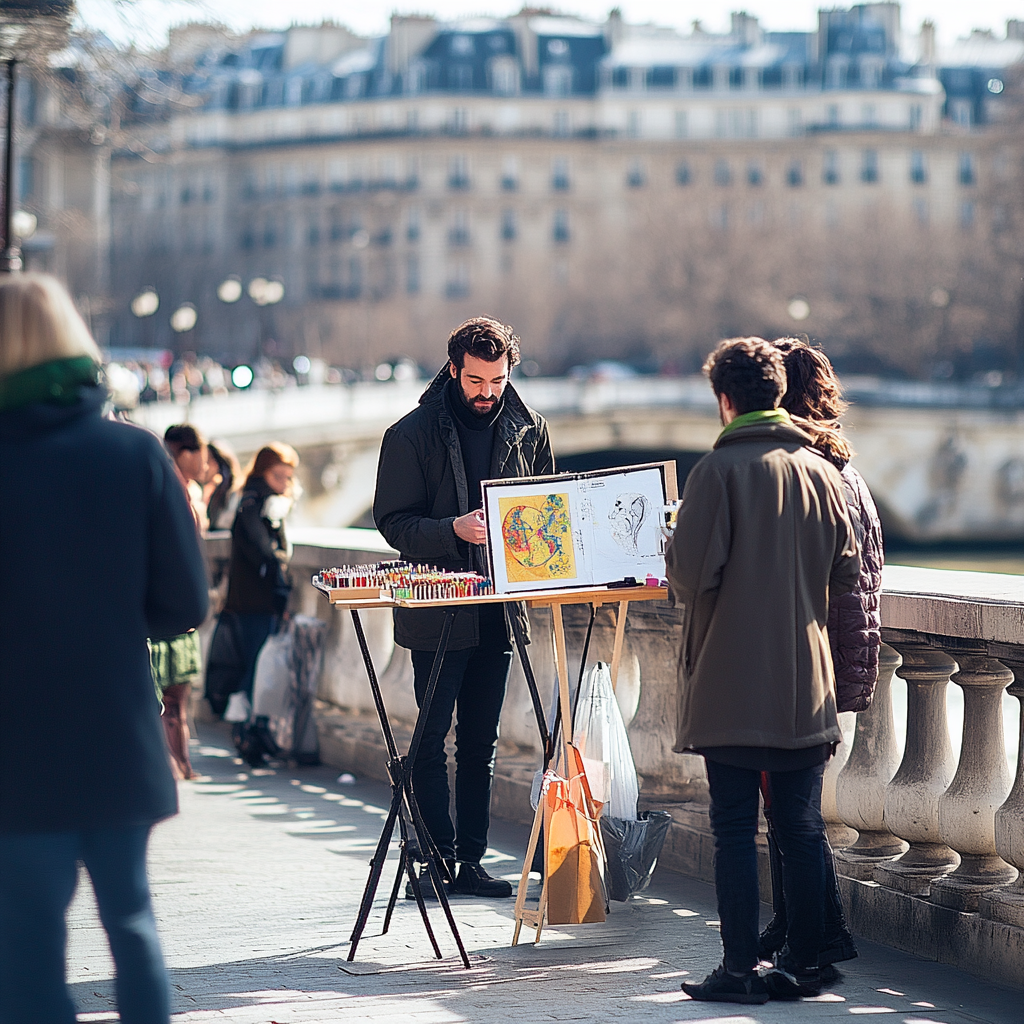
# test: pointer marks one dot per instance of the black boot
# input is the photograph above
(474, 881)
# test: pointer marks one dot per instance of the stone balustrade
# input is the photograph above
(930, 846)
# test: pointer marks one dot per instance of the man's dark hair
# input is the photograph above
(484, 338)
(183, 437)
(749, 371)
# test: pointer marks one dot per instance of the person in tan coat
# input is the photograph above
(763, 537)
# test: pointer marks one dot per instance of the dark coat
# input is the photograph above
(98, 551)
(421, 491)
(762, 539)
(258, 582)
(854, 619)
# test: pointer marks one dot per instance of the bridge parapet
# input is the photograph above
(956, 896)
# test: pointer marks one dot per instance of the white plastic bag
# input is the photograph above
(600, 736)
(272, 687)
(238, 708)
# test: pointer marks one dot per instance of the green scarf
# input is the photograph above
(748, 419)
(56, 382)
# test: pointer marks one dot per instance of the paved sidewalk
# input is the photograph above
(257, 883)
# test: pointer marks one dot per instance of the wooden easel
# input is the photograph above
(555, 601)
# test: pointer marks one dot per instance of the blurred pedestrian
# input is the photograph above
(177, 662)
(99, 551)
(814, 398)
(223, 486)
(258, 580)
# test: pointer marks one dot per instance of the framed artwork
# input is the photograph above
(577, 529)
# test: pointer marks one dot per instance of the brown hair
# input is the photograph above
(749, 372)
(270, 455)
(485, 338)
(814, 397)
(183, 437)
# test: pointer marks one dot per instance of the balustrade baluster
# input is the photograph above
(860, 788)
(1007, 904)
(967, 809)
(839, 835)
(912, 797)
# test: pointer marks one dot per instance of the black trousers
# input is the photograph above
(472, 687)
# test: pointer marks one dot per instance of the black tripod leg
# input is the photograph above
(393, 899)
(376, 867)
(442, 898)
(417, 891)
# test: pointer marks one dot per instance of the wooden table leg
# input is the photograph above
(620, 636)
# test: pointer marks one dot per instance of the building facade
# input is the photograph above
(614, 191)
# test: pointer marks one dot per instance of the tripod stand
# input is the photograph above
(405, 811)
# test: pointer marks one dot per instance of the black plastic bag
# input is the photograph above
(225, 662)
(632, 849)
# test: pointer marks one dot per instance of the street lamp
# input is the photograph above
(229, 290)
(29, 29)
(184, 318)
(146, 303)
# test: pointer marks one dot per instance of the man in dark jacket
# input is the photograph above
(470, 426)
(762, 539)
(99, 551)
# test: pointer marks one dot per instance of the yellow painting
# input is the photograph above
(537, 534)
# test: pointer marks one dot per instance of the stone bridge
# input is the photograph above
(923, 805)
(942, 464)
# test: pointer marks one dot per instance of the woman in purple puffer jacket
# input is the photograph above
(814, 399)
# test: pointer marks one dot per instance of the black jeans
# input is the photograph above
(472, 682)
(800, 831)
(838, 942)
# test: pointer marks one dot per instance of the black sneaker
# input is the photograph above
(787, 981)
(772, 939)
(830, 974)
(722, 987)
(474, 881)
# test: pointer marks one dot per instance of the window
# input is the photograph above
(560, 226)
(633, 123)
(869, 166)
(921, 213)
(458, 230)
(557, 80)
(795, 174)
(960, 112)
(269, 233)
(868, 115)
(755, 173)
(313, 231)
(916, 117)
(965, 169)
(412, 275)
(457, 280)
(562, 124)
(412, 224)
(460, 77)
(967, 215)
(636, 176)
(682, 124)
(832, 115)
(683, 174)
(458, 172)
(508, 225)
(918, 168)
(458, 121)
(795, 121)
(723, 172)
(337, 225)
(560, 174)
(509, 174)
(830, 167)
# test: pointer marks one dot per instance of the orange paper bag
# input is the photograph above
(572, 855)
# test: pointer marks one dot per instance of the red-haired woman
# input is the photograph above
(258, 581)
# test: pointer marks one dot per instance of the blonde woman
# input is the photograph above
(98, 551)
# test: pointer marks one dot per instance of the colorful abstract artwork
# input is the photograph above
(536, 532)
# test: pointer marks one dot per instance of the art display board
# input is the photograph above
(577, 529)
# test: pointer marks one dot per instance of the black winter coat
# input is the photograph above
(98, 551)
(258, 582)
(421, 491)
(854, 619)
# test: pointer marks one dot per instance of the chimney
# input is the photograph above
(927, 39)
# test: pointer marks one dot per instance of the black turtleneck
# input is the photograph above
(476, 439)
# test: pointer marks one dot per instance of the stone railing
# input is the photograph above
(929, 845)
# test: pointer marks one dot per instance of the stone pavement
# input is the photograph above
(256, 885)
